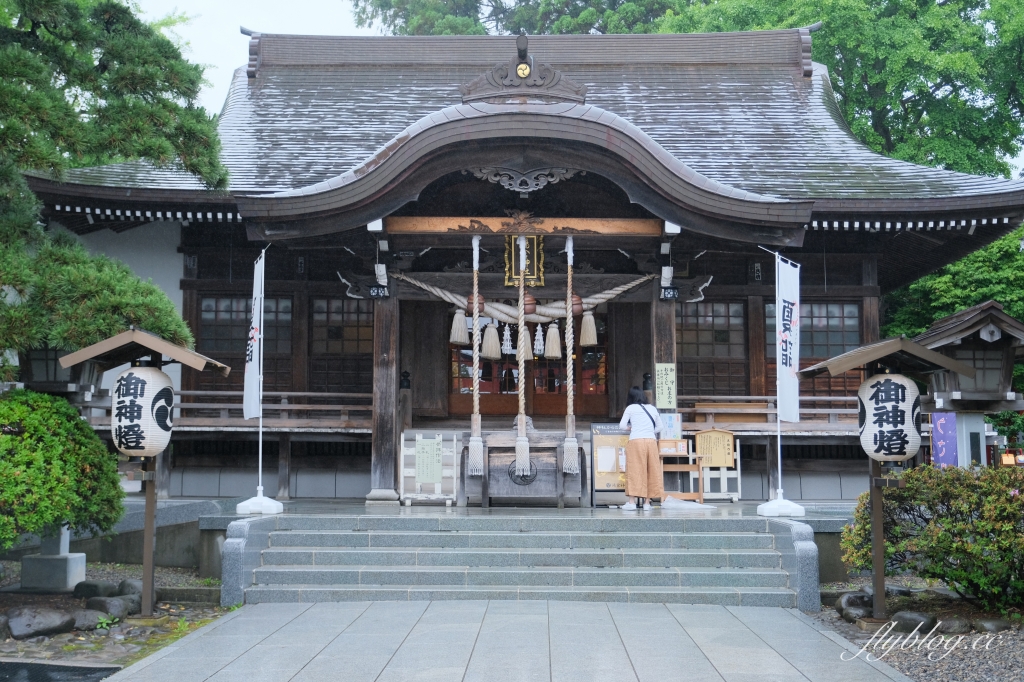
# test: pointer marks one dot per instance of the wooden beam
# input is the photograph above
(756, 344)
(631, 227)
(869, 312)
(384, 452)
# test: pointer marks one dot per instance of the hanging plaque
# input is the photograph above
(428, 459)
(665, 385)
(716, 447)
(534, 261)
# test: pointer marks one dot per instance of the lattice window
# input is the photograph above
(341, 345)
(826, 329)
(989, 366)
(224, 325)
(711, 348)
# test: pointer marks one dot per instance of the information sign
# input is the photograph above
(609, 447)
(665, 385)
(428, 459)
(716, 447)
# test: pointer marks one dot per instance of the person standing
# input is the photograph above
(643, 463)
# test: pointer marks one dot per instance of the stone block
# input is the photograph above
(955, 626)
(129, 587)
(852, 613)
(992, 625)
(908, 621)
(87, 619)
(87, 589)
(31, 621)
(115, 607)
(53, 573)
(132, 602)
(853, 599)
(5, 630)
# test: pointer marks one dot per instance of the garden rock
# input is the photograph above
(955, 626)
(891, 590)
(87, 619)
(129, 587)
(852, 613)
(87, 589)
(5, 631)
(992, 625)
(115, 607)
(848, 599)
(30, 621)
(908, 621)
(132, 602)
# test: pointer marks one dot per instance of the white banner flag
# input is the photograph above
(252, 399)
(787, 331)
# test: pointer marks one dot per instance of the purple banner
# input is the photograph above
(944, 451)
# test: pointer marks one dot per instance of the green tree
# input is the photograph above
(82, 83)
(53, 469)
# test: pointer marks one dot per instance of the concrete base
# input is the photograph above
(382, 496)
(56, 573)
(780, 507)
(259, 505)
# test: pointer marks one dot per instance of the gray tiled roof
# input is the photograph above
(735, 108)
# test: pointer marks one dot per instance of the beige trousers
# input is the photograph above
(643, 469)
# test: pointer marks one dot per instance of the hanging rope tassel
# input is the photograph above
(588, 330)
(491, 349)
(553, 348)
(475, 463)
(459, 335)
(522, 442)
(570, 448)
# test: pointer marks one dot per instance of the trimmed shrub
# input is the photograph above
(53, 469)
(961, 526)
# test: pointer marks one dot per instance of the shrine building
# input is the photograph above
(690, 151)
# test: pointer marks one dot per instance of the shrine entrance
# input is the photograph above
(546, 378)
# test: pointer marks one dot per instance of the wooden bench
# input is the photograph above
(693, 466)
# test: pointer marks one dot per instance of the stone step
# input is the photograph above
(560, 576)
(505, 557)
(518, 539)
(727, 596)
(515, 520)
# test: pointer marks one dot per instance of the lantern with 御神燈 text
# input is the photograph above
(141, 411)
(889, 408)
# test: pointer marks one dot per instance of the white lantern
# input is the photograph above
(142, 410)
(890, 417)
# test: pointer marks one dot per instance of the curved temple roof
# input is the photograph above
(741, 121)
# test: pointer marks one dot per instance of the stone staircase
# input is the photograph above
(731, 561)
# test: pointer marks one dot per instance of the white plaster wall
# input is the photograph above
(151, 251)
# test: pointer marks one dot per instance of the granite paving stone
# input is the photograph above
(514, 640)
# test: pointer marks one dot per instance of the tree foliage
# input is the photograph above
(53, 469)
(962, 526)
(86, 82)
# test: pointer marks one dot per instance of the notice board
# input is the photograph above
(608, 445)
(716, 447)
(665, 385)
(428, 459)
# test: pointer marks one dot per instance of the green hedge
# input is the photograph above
(961, 526)
(54, 469)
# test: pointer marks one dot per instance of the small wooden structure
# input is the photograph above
(545, 481)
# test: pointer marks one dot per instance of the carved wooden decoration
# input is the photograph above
(527, 182)
(523, 222)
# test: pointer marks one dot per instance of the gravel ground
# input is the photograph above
(115, 573)
(960, 658)
(122, 645)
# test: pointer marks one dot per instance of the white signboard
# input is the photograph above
(890, 417)
(428, 459)
(787, 332)
(141, 411)
(665, 385)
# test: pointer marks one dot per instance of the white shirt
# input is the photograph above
(639, 418)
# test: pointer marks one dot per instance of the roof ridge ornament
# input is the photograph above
(522, 77)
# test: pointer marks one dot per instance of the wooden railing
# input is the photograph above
(283, 411)
(758, 413)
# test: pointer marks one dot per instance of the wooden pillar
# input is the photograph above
(756, 345)
(163, 473)
(877, 541)
(284, 465)
(663, 329)
(149, 536)
(385, 402)
(869, 306)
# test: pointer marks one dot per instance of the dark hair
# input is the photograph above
(636, 397)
